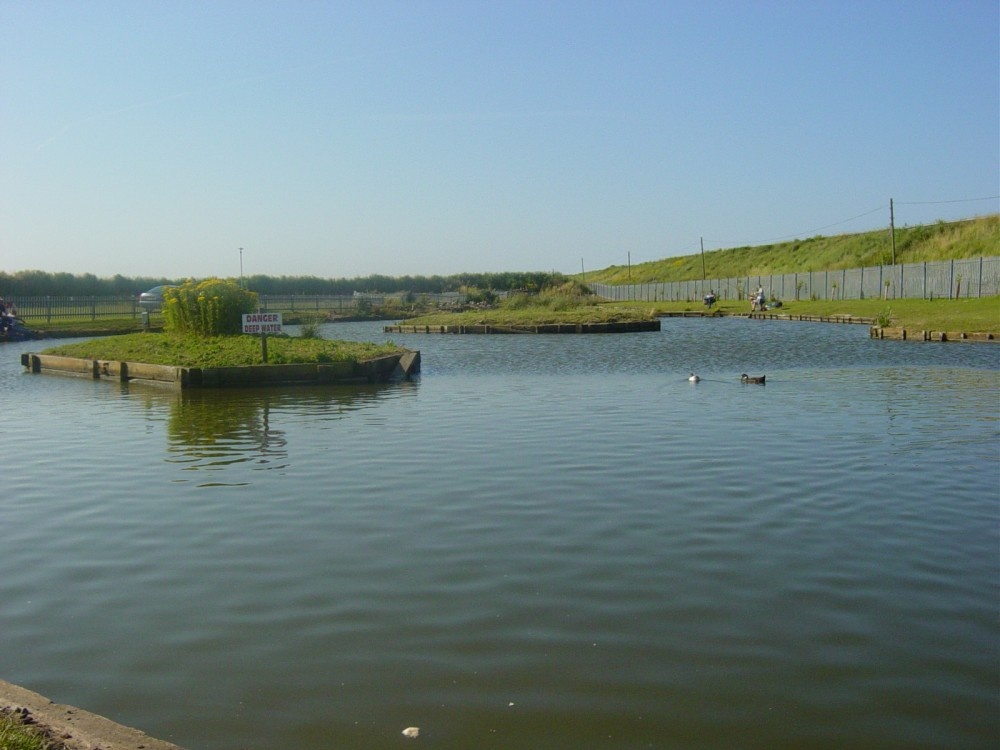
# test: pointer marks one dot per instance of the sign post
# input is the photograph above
(262, 323)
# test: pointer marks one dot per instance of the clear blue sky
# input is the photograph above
(342, 139)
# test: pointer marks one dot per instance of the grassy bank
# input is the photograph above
(930, 242)
(220, 351)
(15, 735)
(969, 315)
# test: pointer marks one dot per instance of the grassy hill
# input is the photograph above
(941, 241)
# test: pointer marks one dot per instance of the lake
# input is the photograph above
(541, 542)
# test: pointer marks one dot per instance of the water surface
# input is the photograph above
(544, 541)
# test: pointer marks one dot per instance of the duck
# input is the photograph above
(694, 378)
(744, 378)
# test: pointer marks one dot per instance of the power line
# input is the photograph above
(960, 200)
(812, 231)
(853, 218)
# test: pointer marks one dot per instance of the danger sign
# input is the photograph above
(262, 323)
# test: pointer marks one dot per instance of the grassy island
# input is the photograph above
(185, 350)
(569, 303)
(538, 316)
(202, 330)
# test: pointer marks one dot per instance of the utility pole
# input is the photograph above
(630, 265)
(892, 231)
(702, 258)
(241, 268)
(582, 272)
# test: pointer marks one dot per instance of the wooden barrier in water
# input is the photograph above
(903, 334)
(620, 327)
(875, 331)
(378, 370)
(853, 319)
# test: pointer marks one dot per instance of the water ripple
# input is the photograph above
(548, 541)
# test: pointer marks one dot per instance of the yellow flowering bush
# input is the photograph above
(213, 307)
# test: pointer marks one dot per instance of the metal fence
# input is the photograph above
(35, 309)
(346, 303)
(951, 279)
(49, 308)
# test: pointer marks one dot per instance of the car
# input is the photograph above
(153, 299)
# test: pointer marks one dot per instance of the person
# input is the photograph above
(757, 301)
(710, 298)
(4, 324)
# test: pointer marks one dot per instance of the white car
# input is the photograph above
(153, 299)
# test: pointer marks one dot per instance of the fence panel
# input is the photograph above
(970, 277)
(90, 308)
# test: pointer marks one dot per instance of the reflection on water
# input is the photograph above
(545, 541)
(208, 432)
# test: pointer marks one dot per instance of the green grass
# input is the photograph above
(220, 351)
(970, 315)
(86, 325)
(532, 316)
(931, 242)
(17, 736)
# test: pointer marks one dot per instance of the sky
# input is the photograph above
(336, 139)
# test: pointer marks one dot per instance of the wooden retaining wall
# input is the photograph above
(810, 318)
(622, 327)
(875, 331)
(376, 370)
(902, 334)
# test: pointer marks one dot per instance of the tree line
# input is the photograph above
(42, 283)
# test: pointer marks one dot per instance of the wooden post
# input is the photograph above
(892, 231)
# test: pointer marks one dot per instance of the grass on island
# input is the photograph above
(601, 313)
(568, 303)
(221, 351)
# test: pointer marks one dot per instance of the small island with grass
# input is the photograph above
(202, 345)
(565, 308)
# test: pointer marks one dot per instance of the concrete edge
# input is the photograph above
(75, 728)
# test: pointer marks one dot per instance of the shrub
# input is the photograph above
(309, 331)
(212, 307)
